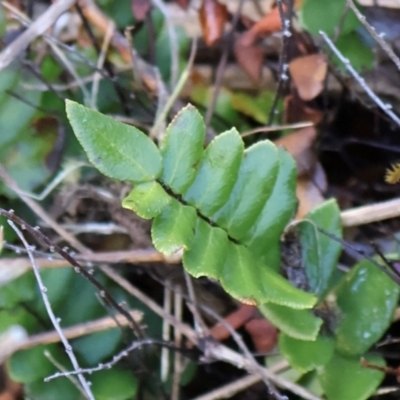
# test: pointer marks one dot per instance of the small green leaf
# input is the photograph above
(319, 252)
(366, 298)
(174, 228)
(30, 365)
(217, 173)
(182, 149)
(239, 275)
(360, 55)
(327, 15)
(41, 390)
(255, 182)
(114, 384)
(82, 306)
(251, 282)
(58, 283)
(117, 150)
(252, 106)
(298, 324)
(263, 238)
(344, 378)
(147, 199)
(96, 346)
(22, 289)
(207, 253)
(278, 290)
(306, 355)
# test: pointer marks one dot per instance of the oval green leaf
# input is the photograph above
(147, 199)
(263, 238)
(51, 390)
(298, 324)
(366, 298)
(182, 149)
(117, 150)
(327, 15)
(239, 275)
(255, 182)
(31, 364)
(114, 384)
(305, 355)
(320, 253)
(173, 229)
(278, 290)
(217, 173)
(344, 378)
(207, 252)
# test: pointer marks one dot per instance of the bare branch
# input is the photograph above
(50, 313)
(386, 108)
(39, 27)
(377, 36)
(107, 365)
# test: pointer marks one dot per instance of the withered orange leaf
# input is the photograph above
(308, 74)
(393, 174)
(213, 16)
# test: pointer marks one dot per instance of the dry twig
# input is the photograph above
(385, 107)
(50, 313)
(39, 27)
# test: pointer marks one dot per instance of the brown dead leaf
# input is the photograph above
(300, 145)
(236, 319)
(308, 74)
(296, 110)
(270, 23)
(250, 57)
(213, 16)
(311, 181)
(140, 8)
(309, 195)
(263, 334)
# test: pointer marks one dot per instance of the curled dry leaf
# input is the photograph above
(213, 16)
(308, 74)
